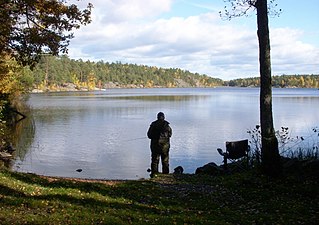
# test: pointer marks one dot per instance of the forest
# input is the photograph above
(282, 81)
(53, 73)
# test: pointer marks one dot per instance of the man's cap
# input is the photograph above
(160, 115)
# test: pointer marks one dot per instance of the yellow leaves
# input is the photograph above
(45, 202)
(75, 80)
(42, 85)
(91, 81)
(149, 84)
(90, 84)
(37, 191)
(171, 85)
(10, 72)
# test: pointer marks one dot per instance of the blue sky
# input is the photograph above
(189, 34)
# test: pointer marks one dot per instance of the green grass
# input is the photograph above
(245, 198)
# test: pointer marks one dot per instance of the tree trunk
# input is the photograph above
(271, 164)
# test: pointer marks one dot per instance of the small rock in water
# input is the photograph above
(79, 170)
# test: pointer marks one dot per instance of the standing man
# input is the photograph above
(160, 133)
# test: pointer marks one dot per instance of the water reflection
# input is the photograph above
(175, 98)
(104, 133)
(21, 138)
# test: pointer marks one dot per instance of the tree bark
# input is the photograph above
(271, 164)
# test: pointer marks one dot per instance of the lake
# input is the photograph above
(104, 133)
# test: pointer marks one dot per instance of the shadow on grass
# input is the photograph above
(11, 192)
(126, 202)
(47, 182)
(240, 198)
(140, 195)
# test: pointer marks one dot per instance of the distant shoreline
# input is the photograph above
(71, 88)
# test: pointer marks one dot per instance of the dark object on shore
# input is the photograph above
(179, 170)
(79, 170)
(209, 168)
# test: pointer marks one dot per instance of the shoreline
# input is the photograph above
(82, 89)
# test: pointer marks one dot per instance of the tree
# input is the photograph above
(271, 164)
(29, 28)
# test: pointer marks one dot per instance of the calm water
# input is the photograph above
(104, 133)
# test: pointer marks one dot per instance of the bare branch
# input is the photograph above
(239, 8)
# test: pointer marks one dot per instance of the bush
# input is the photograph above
(298, 147)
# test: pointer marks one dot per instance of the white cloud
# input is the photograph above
(132, 32)
(116, 11)
(290, 54)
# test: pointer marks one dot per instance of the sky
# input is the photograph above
(191, 35)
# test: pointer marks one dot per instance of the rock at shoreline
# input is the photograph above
(179, 170)
(209, 168)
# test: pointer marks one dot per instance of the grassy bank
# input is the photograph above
(245, 198)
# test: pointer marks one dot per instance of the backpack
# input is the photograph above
(159, 131)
